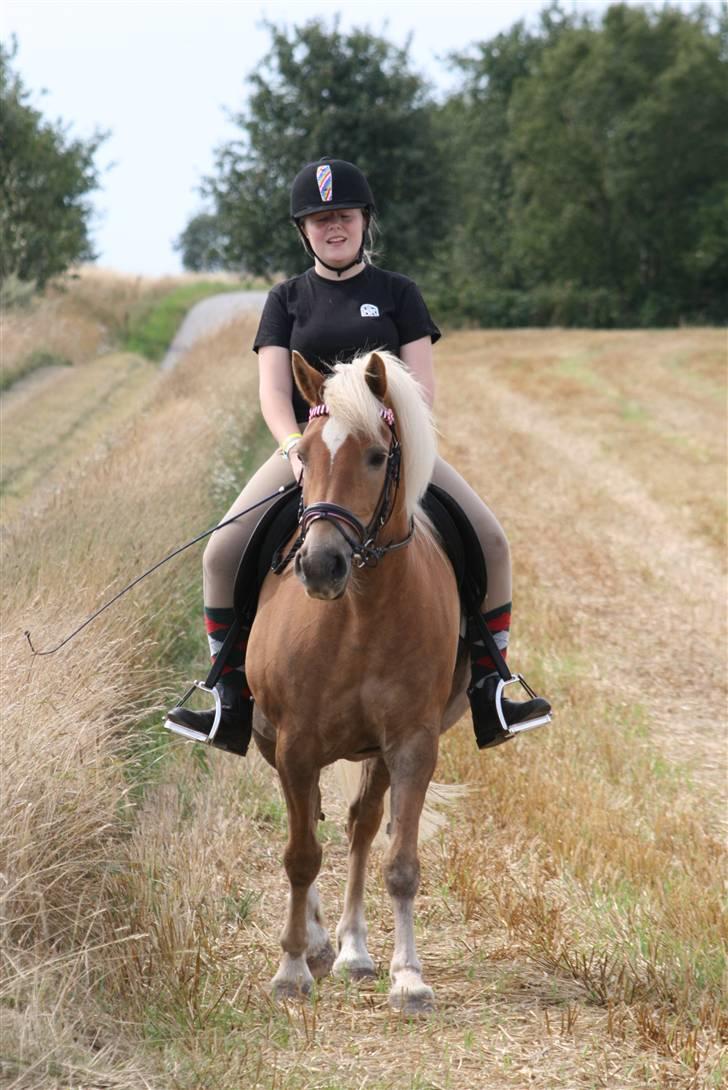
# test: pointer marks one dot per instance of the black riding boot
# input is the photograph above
(236, 721)
(488, 727)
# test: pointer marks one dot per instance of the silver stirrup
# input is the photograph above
(527, 724)
(197, 735)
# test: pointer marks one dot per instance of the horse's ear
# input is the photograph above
(308, 380)
(376, 375)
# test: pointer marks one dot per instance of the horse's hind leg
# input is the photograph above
(365, 816)
(411, 769)
(302, 859)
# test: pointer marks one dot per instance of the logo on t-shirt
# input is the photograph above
(369, 310)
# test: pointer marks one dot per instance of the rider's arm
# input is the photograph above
(275, 386)
(276, 391)
(417, 356)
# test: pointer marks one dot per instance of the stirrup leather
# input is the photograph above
(197, 735)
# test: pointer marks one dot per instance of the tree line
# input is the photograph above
(45, 181)
(577, 174)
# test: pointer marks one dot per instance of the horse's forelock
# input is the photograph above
(349, 398)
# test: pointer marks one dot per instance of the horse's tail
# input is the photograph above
(439, 799)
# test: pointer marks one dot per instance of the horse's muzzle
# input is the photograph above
(324, 570)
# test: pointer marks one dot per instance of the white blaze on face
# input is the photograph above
(333, 433)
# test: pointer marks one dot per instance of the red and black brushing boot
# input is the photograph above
(495, 718)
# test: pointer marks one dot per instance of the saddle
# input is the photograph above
(280, 522)
(268, 543)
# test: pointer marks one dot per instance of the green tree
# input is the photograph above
(475, 123)
(619, 149)
(201, 244)
(320, 92)
(45, 179)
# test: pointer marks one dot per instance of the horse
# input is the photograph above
(355, 654)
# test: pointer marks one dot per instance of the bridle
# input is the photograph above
(365, 552)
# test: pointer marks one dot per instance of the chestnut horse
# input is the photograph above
(354, 654)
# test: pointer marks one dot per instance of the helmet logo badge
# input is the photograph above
(325, 182)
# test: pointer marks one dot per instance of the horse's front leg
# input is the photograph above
(302, 859)
(365, 817)
(411, 769)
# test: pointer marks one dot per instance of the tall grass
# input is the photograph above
(72, 756)
(91, 311)
(151, 329)
(73, 320)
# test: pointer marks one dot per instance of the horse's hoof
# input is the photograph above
(355, 970)
(412, 1003)
(283, 991)
(321, 962)
(362, 972)
(355, 973)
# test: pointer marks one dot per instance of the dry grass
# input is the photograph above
(570, 919)
(50, 427)
(81, 316)
(76, 319)
(68, 766)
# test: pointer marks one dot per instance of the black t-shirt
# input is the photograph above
(330, 321)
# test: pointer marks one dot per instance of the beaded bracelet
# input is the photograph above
(288, 443)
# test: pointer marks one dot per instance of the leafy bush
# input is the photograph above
(548, 305)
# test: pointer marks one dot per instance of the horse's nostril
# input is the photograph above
(338, 566)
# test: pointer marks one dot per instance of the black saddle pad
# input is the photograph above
(280, 522)
(276, 526)
(461, 544)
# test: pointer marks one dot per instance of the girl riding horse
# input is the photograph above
(341, 306)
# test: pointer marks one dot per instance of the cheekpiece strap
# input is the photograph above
(322, 409)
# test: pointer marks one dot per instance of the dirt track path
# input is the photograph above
(208, 316)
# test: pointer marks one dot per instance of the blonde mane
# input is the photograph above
(349, 398)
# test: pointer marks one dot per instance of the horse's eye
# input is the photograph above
(376, 458)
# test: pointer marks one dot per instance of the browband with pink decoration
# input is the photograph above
(386, 413)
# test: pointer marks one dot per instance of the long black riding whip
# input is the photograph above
(278, 492)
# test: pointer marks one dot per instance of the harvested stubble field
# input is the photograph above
(570, 917)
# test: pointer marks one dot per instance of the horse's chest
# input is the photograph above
(334, 663)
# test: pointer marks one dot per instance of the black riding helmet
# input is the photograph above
(326, 185)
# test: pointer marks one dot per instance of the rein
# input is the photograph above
(364, 550)
(206, 533)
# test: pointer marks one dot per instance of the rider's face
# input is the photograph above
(336, 235)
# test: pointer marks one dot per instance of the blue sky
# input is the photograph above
(160, 74)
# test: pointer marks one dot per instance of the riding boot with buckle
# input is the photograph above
(521, 716)
(236, 717)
